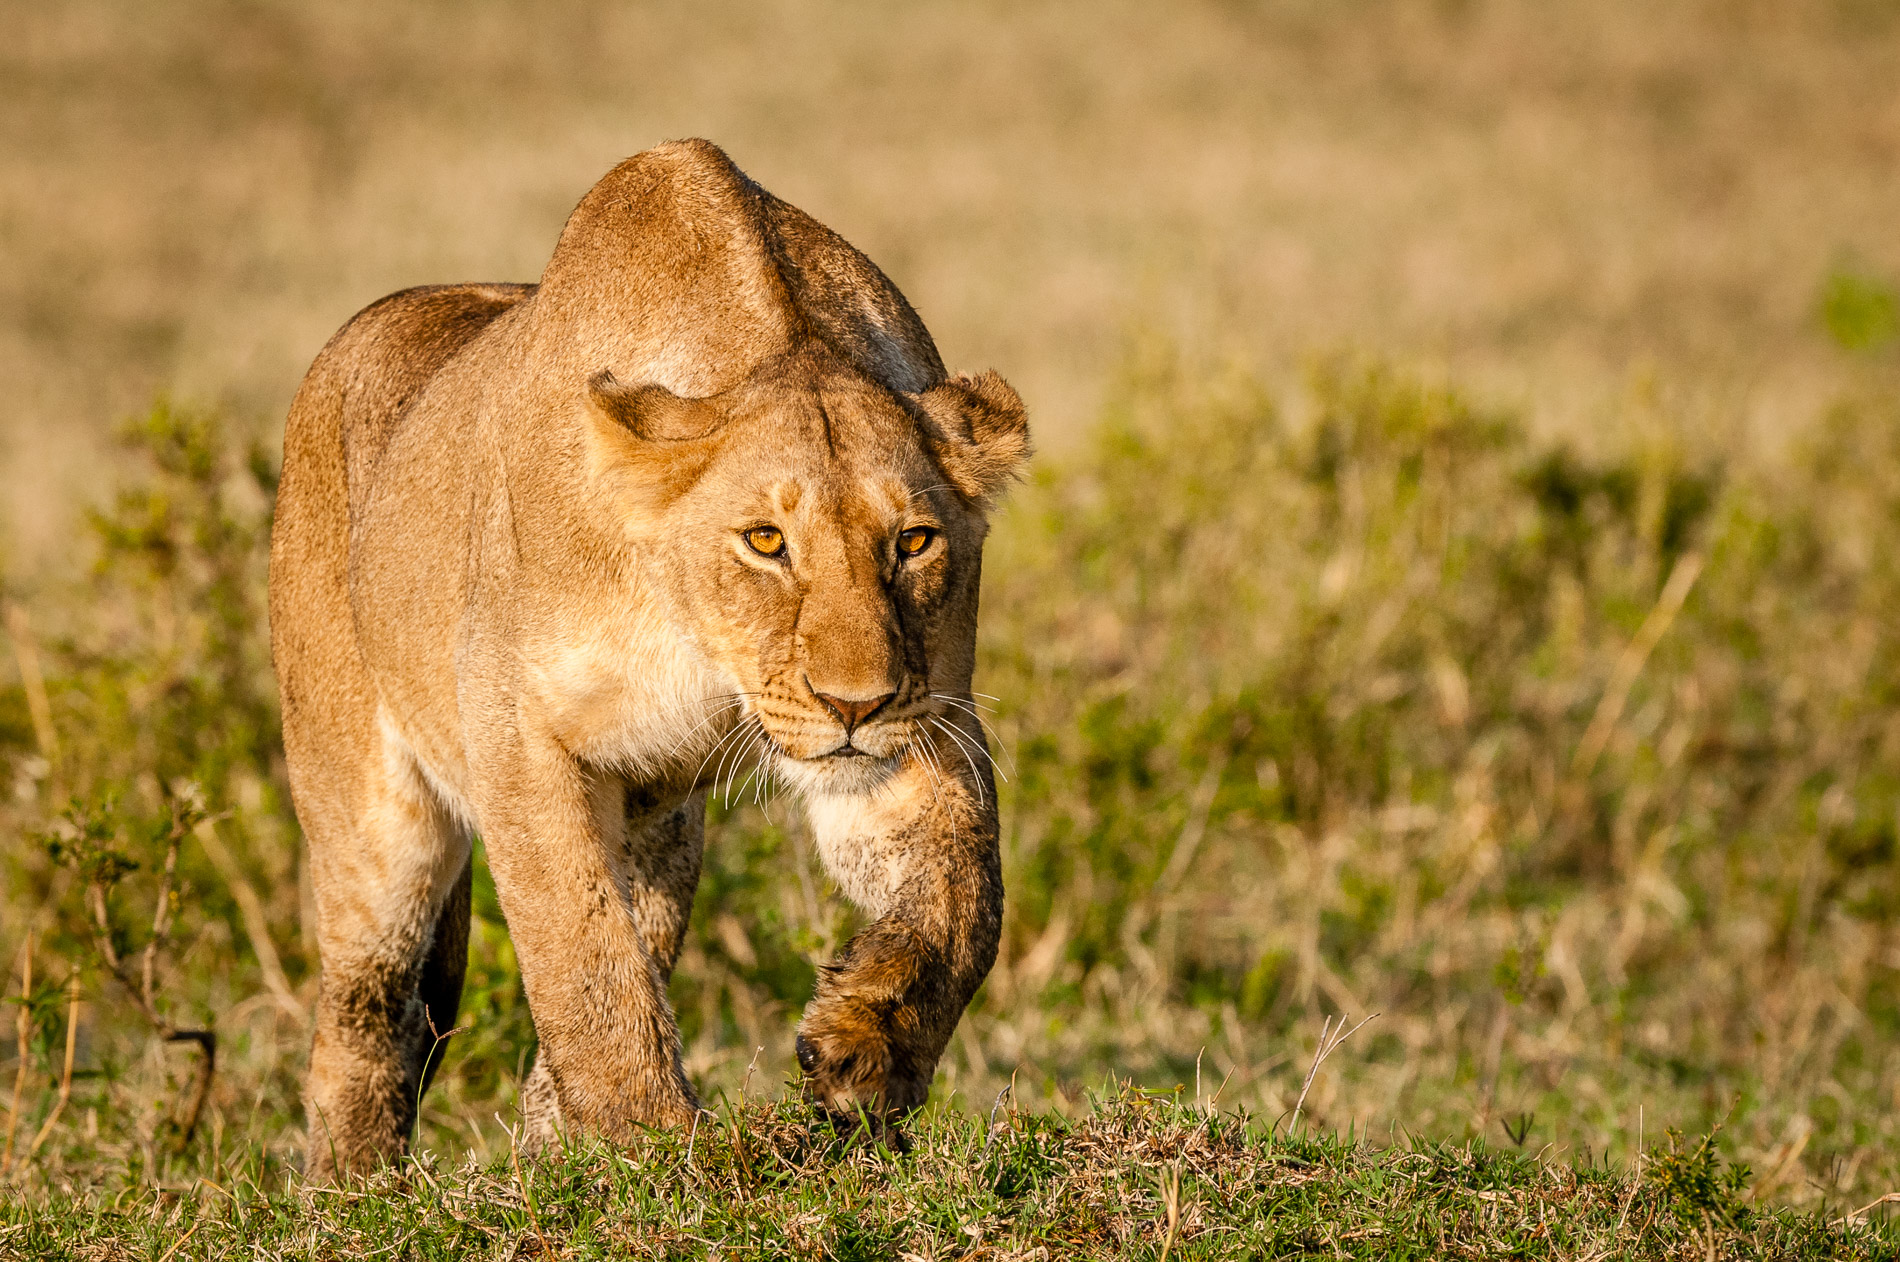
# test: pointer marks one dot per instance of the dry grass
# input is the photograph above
(1139, 1177)
(1576, 770)
(193, 196)
(1551, 717)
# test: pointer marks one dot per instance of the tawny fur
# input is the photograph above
(512, 593)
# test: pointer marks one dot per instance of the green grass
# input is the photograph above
(1140, 1176)
(1573, 762)
(1561, 733)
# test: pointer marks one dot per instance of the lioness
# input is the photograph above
(547, 558)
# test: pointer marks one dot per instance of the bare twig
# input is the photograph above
(66, 1077)
(1874, 1204)
(24, 1028)
(186, 1121)
(440, 1037)
(180, 1242)
(747, 1080)
(166, 904)
(1171, 1201)
(143, 990)
(1000, 1097)
(527, 1197)
(1215, 1098)
(139, 990)
(1329, 1041)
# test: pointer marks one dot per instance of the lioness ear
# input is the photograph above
(650, 413)
(982, 432)
(647, 450)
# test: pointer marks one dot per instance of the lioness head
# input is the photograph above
(819, 537)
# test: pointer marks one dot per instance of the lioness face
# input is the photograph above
(822, 541)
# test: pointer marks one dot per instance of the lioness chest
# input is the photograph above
(623, 689)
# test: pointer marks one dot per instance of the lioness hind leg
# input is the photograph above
(392, 899)
(444, 970)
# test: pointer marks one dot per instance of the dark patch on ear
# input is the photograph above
(651, 413)
(980, 431)
(661, 443)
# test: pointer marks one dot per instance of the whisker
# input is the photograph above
(936, 762)
(736, 756)
(756, 776)
(975, 775)
(719, 768)
(697, 771)
(736, 730)
(730, 705)
(963, 741)
(737, 764)
(989, 727)
(761, 798)
(945, 696)
(928, 753)
(930, 741)
(912, 748)
(721, 702)
(771, 780)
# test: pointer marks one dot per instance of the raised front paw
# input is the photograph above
(853, 1070)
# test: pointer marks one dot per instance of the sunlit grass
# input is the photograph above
(1138, 1177)
(1574, 766)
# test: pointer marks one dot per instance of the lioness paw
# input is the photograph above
(853, 1073)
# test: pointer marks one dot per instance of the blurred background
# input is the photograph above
(1458, 582)
(1545, 202)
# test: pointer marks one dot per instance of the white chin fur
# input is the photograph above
(829, 777)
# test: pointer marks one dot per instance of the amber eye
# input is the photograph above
(915, 540)
(767, 541)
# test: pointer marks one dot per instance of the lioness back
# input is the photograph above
(351, 402)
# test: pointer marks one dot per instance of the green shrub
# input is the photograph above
(1577, 765)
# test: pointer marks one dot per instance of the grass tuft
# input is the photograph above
(1138, 1175)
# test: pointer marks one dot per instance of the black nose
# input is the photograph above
(852, 713)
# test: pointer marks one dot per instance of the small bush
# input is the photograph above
(1573, 763)
(1694, 1179)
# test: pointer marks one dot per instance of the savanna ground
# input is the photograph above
(1524, 673)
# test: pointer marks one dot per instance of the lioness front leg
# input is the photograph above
(657, 853)
(919, 853)
(596, 917)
